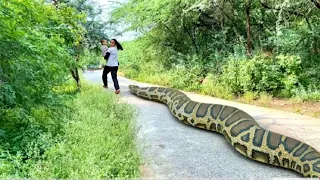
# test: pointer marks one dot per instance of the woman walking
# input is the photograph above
(112, 65)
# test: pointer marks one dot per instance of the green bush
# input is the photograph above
(96, 140)
(312, 93)
(277, 75)
(38, 46)
(211, 86)
(184, 78)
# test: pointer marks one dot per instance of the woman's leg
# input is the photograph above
(105, 73)
(114, 71)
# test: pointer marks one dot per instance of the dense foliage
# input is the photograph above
(270, 46)
(36, 42)
(41, 43)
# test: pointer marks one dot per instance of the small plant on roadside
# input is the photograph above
(212, 87)
(298, 110)
(249, 96)
(265, 99)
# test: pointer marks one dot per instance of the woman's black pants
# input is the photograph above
(113, 70)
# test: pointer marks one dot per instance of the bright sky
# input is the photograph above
(102, 1)
(107, 8)
(105, 4)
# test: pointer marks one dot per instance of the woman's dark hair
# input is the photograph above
(119, 47)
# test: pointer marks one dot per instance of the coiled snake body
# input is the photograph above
(240, 130)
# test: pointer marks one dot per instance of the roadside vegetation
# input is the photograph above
(53, 125)
(90, 136)
(252, 51)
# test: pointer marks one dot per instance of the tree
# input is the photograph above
(94, 31)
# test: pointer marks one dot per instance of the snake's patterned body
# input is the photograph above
(240, 129)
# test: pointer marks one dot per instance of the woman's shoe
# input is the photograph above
(105, 87)
(117, 91)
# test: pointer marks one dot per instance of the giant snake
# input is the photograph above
(240, 130)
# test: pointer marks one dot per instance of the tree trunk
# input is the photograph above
(192, 37)
(249, 43)
(75, 74)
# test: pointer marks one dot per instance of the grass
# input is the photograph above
(310, 94)
(212, 89)
(97, 142)
(265, 99)
(249, 97)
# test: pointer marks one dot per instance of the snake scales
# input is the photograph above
(240, 129)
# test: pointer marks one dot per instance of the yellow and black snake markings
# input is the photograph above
(240, 130)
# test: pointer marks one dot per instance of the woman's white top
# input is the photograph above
(113, 58)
